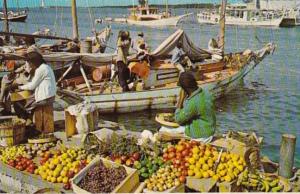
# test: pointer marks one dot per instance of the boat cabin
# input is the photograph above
(146, 13)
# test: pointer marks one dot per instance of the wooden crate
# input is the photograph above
(126, 186)
(201, 185)
(70, 122)
(11, 135)
(179, 189)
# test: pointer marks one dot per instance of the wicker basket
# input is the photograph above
(11, 134)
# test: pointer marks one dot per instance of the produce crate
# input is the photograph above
(179, 189)
(202, 185)
(126, 186)
(11, 134)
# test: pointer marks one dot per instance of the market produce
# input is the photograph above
(203, 163)
(148, 166)
(165, 178)
(59, 166)
(38, 149)
(101, 179)
(11, 122)
(11, 153)
(22, 163)
(253, 181)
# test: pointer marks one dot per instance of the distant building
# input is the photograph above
(273, 4)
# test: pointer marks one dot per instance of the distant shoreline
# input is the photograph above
(200, 5)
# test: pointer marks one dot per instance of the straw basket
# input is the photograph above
(126, 186)
(11, 134)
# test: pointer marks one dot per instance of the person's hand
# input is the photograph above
(182, 96)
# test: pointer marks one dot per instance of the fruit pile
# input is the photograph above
(62, 165)
(179, 154)
(255, 182)
(22, 163)
(148, 166)
(165, 178)
(204, 158)
(127, 160)
(33, 150)
(11, 153)
(100, 179)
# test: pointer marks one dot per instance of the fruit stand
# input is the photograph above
(128, 162)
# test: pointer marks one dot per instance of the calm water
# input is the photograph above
(267, 102)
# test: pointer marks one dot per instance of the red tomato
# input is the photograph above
(185, 153)
(123, 158)
(188, 145)
(184, 173)
(171, 155)
(171, 149)
(182, 179)
(165, 156)
(178, 155)
(136, 156)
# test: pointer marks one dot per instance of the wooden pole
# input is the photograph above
(6, 24)
(287, 151)
(74, 20)
(222, 26)
(167, 9)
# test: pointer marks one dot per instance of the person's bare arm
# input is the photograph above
(182, 96)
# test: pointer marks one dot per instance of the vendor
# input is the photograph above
(195, 109)
(43, 83)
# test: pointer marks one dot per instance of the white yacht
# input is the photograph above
(239, 14)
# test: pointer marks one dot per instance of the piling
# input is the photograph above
(287, 152)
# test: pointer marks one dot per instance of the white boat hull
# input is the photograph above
(172, 21)
(160, 98)
(241, 22)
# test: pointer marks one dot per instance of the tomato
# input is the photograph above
(188, 145)
(136, 156)
(194, 143)
(29, 162)
(178, 155)
(182, 179)
(171, 149)
(165, 156)
(185, 153)
(171, 155)
(70, 174)
(123, 158)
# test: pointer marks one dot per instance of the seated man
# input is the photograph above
(195, 110)
(180, 59)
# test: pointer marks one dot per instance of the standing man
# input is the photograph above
(195, 109)
(123, 46)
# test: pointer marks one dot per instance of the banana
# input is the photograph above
(274, 183)
(278, 188)
(253, 176)
(266, 185)
(255, 181)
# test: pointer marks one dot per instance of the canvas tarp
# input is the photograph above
(193, 52)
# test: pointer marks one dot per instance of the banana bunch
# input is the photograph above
(255, 182)
(11, 153)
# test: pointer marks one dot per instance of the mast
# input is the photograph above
(74, 20)
(43, 4)
(222, 26)
(167, 8)
(6, 24)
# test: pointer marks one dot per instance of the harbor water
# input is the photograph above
(267, 101)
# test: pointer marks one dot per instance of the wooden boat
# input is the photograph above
(15, 16)
(160, 89)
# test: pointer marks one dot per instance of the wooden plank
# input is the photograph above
(34, 36)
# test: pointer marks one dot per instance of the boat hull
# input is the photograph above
(21, 18)
(172, 21)
(160, 98)
(238, 21)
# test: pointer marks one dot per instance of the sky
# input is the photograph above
(86, 3)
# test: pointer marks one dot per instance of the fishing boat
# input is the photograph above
(239, 14)
(146, 15)
(15, 16)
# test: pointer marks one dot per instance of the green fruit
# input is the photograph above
(151, 171)
(143, 170)
(145, 175)
(149, 165)
(266, 186)
(160, 162)
(155, 168)
(143, 163)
